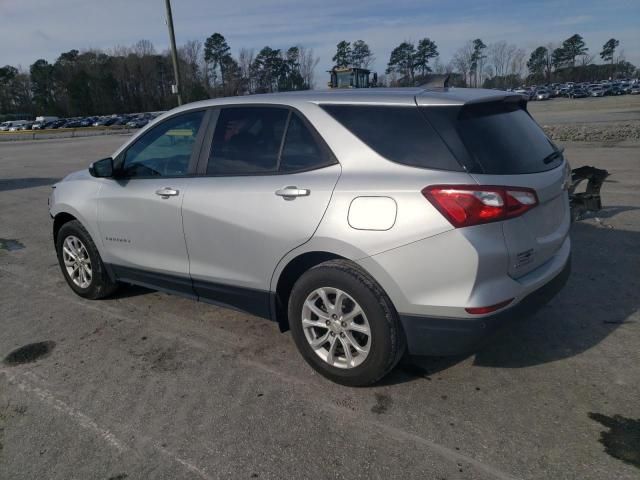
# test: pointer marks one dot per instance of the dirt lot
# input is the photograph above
(608, 119)
(146, 385)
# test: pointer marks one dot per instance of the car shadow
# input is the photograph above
(7, 184)
(127, 290)
(609, 212)
(601, 295)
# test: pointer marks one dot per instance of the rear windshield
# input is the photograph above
(400, 134)
(498, 138)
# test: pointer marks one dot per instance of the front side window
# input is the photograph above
(165, 150)
(247, 140)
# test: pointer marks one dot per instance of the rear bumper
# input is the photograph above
(455, 336)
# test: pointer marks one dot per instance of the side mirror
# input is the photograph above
(102, 168)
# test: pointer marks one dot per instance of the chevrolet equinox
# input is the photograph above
(369, 222)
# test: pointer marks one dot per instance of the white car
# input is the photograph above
(368, 221)
(543, 94)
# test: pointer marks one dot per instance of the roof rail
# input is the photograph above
(437, 81)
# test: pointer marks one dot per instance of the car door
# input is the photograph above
(139, 211)
(265, 184)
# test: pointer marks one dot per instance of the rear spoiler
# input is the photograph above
(589, 200)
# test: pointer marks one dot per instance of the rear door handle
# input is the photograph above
(289, 193)
(167, 192)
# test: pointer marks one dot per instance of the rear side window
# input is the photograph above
(497, 138)
(400, 134)
(301, 150)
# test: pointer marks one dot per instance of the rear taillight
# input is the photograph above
(466, 205)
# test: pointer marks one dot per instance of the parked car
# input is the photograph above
(543, 94)
(528, 94)
(578, 93)
(17, 125)
(121, 120)
(137, 123)
(46, 118)
(104, 122)
(597, 91)
(72, 123)
(635, 90)
(367, 222)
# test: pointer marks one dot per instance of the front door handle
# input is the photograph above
(289, 193)
(167, 192)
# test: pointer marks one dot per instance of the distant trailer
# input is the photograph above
(44, 119)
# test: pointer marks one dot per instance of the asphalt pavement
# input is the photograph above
(148, 385)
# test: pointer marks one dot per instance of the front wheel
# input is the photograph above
(344, 325)
(81, 264)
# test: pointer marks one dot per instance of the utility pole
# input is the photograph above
(174, 53)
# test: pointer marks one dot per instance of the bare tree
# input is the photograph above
(549, 60)
(586, 59)
(518, 62)
(308, 63)
(463, 60)
(144, 48)
(438, 67)
(191, 51)
(245, 60)
(497, 56)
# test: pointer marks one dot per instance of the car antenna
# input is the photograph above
(437, 81)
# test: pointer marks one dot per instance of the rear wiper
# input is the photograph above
(552, 156)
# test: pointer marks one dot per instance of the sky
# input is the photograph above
(33, 29)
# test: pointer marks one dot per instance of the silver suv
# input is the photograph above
(371, 222)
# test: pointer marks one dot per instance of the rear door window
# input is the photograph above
(265, 140)
(399, 134)
(247, 140)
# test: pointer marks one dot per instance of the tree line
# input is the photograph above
(505, 65)
(138, 78)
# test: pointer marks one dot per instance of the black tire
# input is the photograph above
(388, 341)
(101, 285)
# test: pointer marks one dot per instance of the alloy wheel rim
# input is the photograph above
(77, 262)
(336, 327)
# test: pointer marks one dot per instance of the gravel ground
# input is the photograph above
(608, 119)
(148, 385)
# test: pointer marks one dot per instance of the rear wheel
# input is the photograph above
(81, 264)
(344, 325)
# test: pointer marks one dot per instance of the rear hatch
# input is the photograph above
(499, 143)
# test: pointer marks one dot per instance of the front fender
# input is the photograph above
(79, 198)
